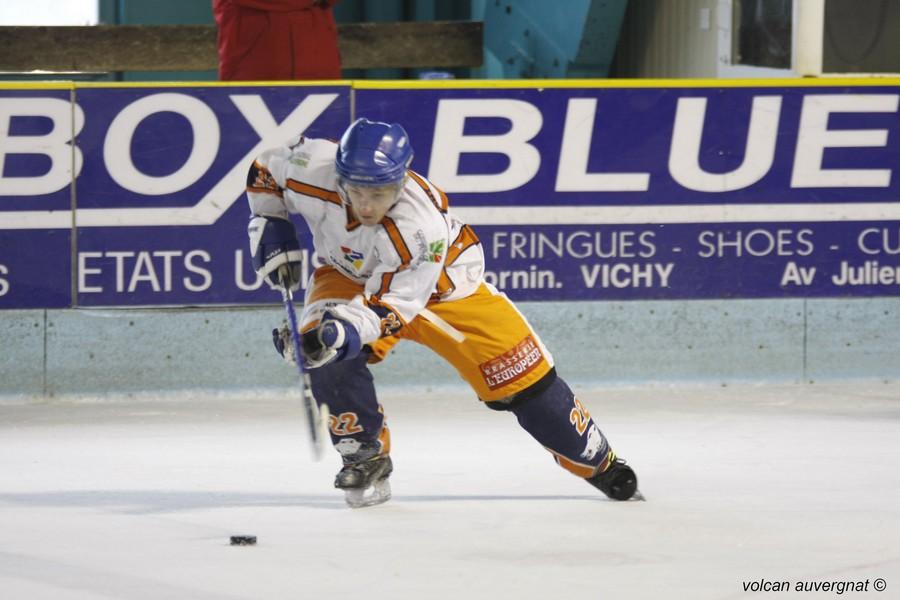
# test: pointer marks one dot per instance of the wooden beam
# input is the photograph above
(411, 45)
(105, 48)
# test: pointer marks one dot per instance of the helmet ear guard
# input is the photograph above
(373, 153)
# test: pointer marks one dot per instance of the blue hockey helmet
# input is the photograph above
(372, 153)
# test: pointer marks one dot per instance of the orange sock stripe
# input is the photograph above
(580, 469)
(385, 438)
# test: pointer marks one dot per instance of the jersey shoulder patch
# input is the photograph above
(261, 181)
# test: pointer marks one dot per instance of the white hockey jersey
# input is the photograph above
(418, 253)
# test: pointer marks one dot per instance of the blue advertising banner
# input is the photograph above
(620, 193)
(578, 190)
(36, 161)
(161, 216)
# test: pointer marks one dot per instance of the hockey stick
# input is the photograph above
(316, 415)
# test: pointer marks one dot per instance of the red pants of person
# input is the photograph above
(276, 40)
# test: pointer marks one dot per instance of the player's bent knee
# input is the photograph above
(533, 391)
(337, 382)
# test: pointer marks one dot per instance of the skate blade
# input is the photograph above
(379, 493)
(638, 497)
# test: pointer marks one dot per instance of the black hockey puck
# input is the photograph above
(243, 540)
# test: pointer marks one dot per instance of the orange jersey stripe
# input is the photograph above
(444, 284)
(465, 240)
(352, 222)
(442, 205)
(397, 240)
(386, 279)
(313, 191)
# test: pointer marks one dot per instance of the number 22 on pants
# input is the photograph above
(344, 424)
(579, 417)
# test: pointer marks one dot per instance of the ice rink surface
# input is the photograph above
(135, 498)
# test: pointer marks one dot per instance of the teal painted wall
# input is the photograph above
(159, 12)
(529, 39)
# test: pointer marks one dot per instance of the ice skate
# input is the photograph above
(618, 481)
(366, 483)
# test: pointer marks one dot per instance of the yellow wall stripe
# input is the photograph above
(538, 84)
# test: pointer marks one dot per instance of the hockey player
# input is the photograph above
(399, 265)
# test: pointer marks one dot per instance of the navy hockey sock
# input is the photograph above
(358, 429)
(551, 413)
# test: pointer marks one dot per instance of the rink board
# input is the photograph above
(578, 190)
(667, 192)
